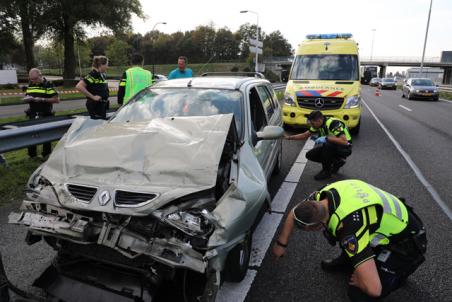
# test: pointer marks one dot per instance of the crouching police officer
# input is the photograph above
(40, 95)
(381, 237)
(332, 146)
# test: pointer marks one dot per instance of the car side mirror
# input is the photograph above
(270, 132)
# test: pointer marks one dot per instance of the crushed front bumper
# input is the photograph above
(63, 224)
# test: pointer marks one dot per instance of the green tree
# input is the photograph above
(70, 17)
(118, 53)
(226, 46)
(276, 45)
(29, 17)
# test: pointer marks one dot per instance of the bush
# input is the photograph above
(247, 69)
(234, 69)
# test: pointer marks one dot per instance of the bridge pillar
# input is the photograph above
(447, 76)
(382, 72)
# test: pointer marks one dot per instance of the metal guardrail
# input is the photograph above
(445, 88)
(14, 139)
(279, 86)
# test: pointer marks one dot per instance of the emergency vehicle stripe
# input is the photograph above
(334, 93)
(306, 93)
(314, 92)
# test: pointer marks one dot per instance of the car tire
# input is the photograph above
(237, 260)
(436, 99)
(409, 96)
(355, 131)
(278, 165)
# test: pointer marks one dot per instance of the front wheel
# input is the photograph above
(237, 261)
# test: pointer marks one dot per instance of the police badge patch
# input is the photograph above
(350, 244)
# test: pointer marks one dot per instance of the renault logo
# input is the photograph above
(104, 198)
(319, 103)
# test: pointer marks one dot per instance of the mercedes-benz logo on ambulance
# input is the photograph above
(319, 103)
(104, 198)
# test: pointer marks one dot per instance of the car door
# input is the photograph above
(258, 121)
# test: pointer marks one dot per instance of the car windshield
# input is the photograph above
(164, 102)
(388, 80)
(422, 82)
(326, 67)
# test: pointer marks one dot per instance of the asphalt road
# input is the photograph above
(421, 132)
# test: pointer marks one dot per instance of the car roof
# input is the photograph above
(219, 82)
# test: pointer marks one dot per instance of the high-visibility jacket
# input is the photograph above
(137, 79)
(332, 126)
(356, 195)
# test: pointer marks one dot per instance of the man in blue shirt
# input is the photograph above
(181, 71)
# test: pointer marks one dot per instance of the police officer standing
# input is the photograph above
(95, 87)
(332, 145)
(133, 80)
(383, 241)
(40, 95)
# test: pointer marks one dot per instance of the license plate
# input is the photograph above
(427, 94)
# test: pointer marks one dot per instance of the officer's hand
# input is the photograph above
(97, 98)
(278, 251)
(321, 140)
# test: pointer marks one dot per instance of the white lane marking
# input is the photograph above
(442, 100)
(236, 291)
(406, 108)
(263, 235)
(282, 198)
(415, 168)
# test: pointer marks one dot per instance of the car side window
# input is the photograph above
(274, 97)
(267, 101)
(258, 117)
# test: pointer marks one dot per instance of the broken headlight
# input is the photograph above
(191, 222)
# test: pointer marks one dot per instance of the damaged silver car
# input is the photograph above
(174, 182)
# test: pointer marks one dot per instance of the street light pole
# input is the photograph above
(257, 33)
(372, 47)
(153, 50)
(425, 40)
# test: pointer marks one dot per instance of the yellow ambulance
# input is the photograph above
(324, 76)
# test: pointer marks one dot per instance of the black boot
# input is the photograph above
(341, 263)
(324, 174)
(337, 165)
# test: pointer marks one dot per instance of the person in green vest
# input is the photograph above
(133, 80)
(382, 240)
(333, 143)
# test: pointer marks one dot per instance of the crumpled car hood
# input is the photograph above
(171, 157)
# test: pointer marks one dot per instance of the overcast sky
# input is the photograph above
(399, 24)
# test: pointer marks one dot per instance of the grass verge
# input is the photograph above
(14, 176)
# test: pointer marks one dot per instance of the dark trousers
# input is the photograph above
(97, 109)
(46, 147)
(328, 153)
(406, 255)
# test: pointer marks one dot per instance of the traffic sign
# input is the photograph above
(255, 42)
(253, 49)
